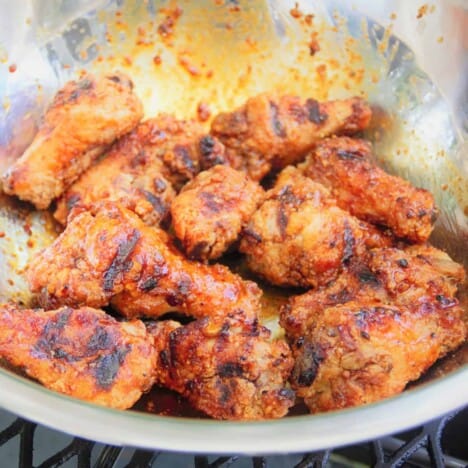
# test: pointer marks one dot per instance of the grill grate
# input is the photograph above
(432, 444)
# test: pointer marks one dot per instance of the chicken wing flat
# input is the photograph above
(85, 117)
(211, 210)
(380, 325)
(300, 237)
(111, 255)
(358, 352)
(346, 166)
(142, 167)
(225, 367)
(270, 132)
(417, 277)
(83, 353)
(131, 174)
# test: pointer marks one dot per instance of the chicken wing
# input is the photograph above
(380, 325)
(110, 255)
(131, 175)
(85, 117)
(299, 237)
(417, 277)
(346, 166)
(83, 353)
(141, 168)
(225, 367)
(211, 210)
(271, 132)
(358, 352)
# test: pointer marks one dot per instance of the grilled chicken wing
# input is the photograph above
(418, 276)
(184, 148)
(226, 367)
(110, 255)
(346, 166)
(271, 132)
(130, 175)
(300, 237)
(140, 169)
(380, 325)
(361, 352)
(211, 210)
(83, 353)
(85, 117)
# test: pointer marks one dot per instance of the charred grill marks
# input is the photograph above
(156, 202)
(121, 262)
(100, 340)
(230, 369)
(349, 242)
(148, 285)
(183, 153)
(307, 365)
(276, 124)
(348, 155)
(49, 345)
(106, 367)
(313, 112)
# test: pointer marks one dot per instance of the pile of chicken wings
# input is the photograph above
(149, 207)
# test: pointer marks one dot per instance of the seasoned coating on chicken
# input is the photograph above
(347, 167)
(270, 132)
(82, 352)
(418, 277)
(299, 237)
(183, 147)
(361, 352)
(226, 367)
(110, 255)
(85, 117)
(211, 210)
(132, 174)
(380, 325)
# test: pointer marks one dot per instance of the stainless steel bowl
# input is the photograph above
(408, 58)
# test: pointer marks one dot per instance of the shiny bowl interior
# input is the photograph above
(408, 60)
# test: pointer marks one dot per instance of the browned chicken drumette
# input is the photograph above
(346, 166)
(271, 132)
(141, 168)
(110, 256)
(226, 367)
(379, 326)
(300, 237)
(211, 210)
(85, 117)
(82, 352)
(358, 352)
(130, 175)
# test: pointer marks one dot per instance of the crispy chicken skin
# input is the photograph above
(131, 175)
(300, 237)
(380, 325)
(270, 132)
(82, 352)
(183, 146)
(226, 367)
(419, 276)
(85, 117)
(111, 256)
(142, 168)
(211, 210)
(346, 166)
(361, 352)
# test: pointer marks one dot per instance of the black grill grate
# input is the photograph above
(439, 443)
